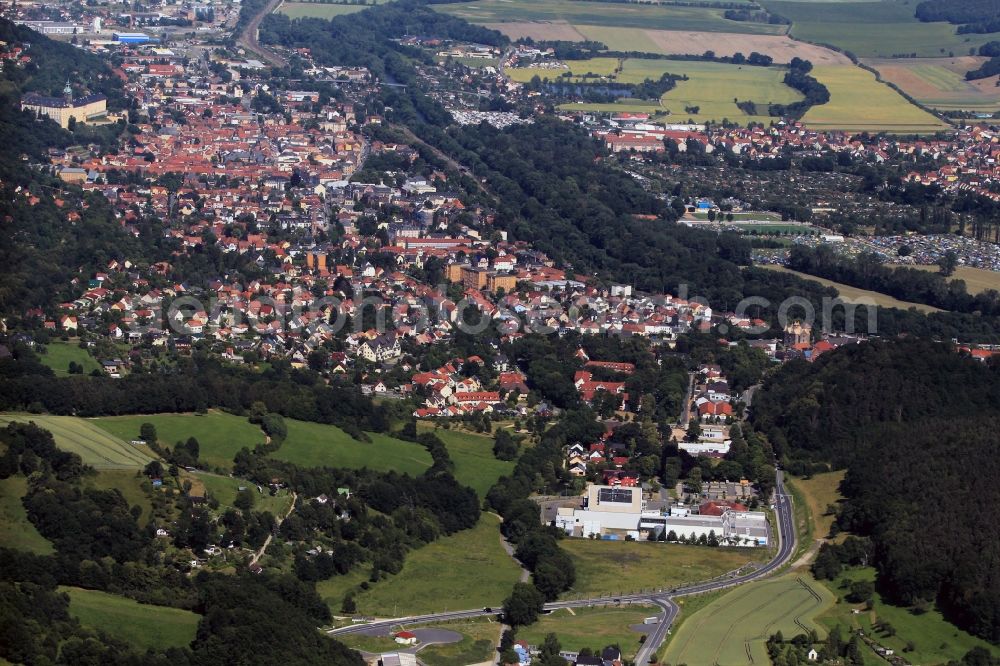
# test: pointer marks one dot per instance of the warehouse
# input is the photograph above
(132, 37)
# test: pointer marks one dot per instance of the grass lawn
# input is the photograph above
(224, 489)
(848, 292)
(469, 569)
(859, 102)
(605, 14)
(621, 567)
(738, 623)
(296, 10)
(126, 482)
(58, 355)
(977, 280)
(220, 435)
(140, 625)
(82, 436)
(819, 492)
(595, 628)
(16, 531)
(479, 642)
(318, 445)
(332, 590)
(936, 641)
(475, 465)
(873, 29)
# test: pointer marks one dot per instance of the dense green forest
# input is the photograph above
(915, 424)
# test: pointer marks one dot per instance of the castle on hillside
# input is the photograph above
(61, 109)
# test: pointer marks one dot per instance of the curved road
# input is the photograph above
(663, 599)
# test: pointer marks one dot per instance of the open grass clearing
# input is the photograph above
(140, 625)
(319, 445)
(819, 492)
(936, 641)
(854, 293)
(859, 102)
(595, 628)
(224, 489)
(468, 569)
(940, 82)
(94, 445)
(475, 464)
(874, 29)
(976, 279)
(16, 531)
(128, 484)
(736, 625)
(220, 435)
(623, 567)
(59, 354)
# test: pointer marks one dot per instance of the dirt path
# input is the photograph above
(267, 542)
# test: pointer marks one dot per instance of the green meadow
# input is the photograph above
(94, 445)
(318, 445)
(140, 625)
(59, 354)
(475, 465)
(16, 531)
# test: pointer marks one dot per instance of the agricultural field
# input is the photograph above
(140, 625)
(468, 569)
(859, 102)
(16, 531)
(220, 435)
(94, 445)
(854, 293)
(737, 624)
(935, 640)
(479, 641)
(819, 492)
(498, 13)
(976, 279)
(296, 10)
(711, 86)
(940, 82)
(317, 445)
(595, 628)
(874, 29)
(475, 465)
(58, 355)
(622, 567)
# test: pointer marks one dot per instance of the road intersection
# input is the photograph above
(664, 599)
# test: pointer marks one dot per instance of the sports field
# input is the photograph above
(609, 14)
(319, 445)
(859, 102)
(853, 293)
(94, 445)
(622, 567)
(940, 82)
(58, 355)
(317, 10)
(475, 465)
(468, 569)
(711, 86)
(874, 29)
(140, 625)
(595, 628)
(976, 279)
(734, 628)
(16, 531)
(220, 435)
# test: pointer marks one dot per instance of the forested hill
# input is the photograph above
(916, 425)
(44, 251)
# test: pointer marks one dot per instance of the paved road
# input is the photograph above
(664, 599)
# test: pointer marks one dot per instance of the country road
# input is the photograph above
(664, 599)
